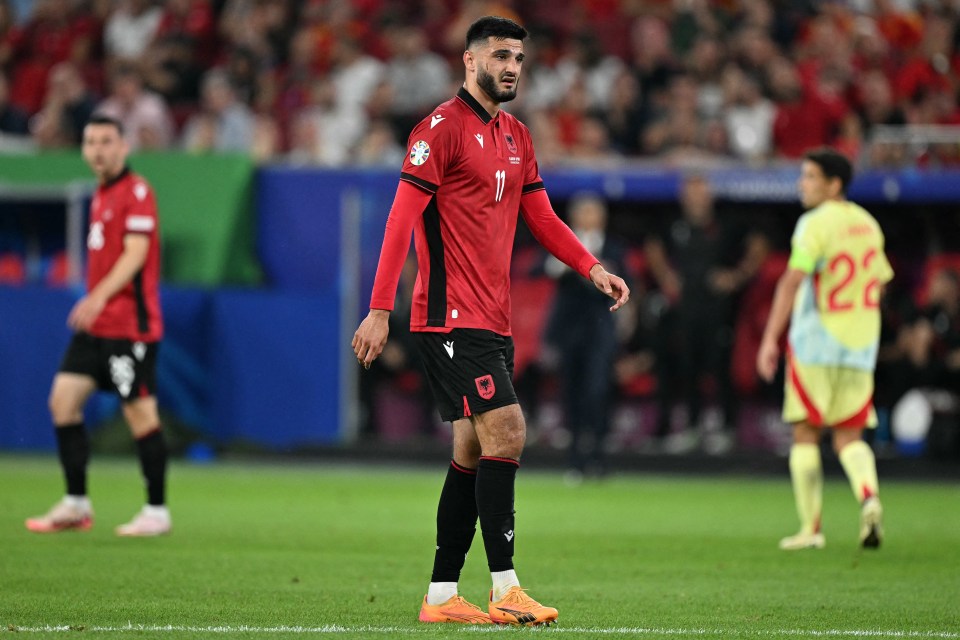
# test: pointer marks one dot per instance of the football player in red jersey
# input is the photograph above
(470, 172)
(117, 328)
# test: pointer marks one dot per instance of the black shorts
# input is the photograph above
(124, 366)
(469, 370)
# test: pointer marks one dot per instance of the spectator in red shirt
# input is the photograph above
(191, 20)
(52, 35)
(804, 119)
(934, 66)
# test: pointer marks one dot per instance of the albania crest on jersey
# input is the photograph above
(485, 386)
(511, 145)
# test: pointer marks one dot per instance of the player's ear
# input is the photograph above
(469, 61)
(836, 186)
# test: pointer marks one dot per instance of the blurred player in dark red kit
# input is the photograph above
(117, 328)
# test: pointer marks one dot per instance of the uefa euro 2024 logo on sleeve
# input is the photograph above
(419, 152)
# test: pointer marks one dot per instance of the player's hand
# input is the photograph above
(370, 336)
(612, 285)
(85, 312)
(768, 357)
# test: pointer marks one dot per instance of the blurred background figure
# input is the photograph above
(224, 124)
(130, 28)
(67, 106)
(700, 263)
(378, 146)
(355, 74)
(928, 343)
(325, 133)
(583, 332)
(146, 119)
(13, 119)
(418, 78)
(749, 115)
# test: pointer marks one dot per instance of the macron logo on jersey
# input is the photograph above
(449, 348)
(479, 137)
(435, 120)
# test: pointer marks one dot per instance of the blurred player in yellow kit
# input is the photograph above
(830, 294)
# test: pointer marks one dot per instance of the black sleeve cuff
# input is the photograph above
(533, 186)
(429, 187)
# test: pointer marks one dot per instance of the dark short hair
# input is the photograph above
(833, 164)
(496, 27)
(100, 118)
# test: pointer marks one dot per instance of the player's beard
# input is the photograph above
(486, 82)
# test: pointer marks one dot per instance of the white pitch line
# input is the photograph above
(616, 631)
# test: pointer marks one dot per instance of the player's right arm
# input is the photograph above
(371, 335)
(432, 143)
(140, 222)
(768, 357)
(86, 311)
(807, 248)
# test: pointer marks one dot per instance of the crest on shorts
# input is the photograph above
(485, 386)
(511, 145)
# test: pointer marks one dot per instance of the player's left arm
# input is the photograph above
(557, 238)
(136, 247)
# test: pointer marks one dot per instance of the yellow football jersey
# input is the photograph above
(836, 314)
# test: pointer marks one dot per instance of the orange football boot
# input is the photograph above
(456, 609)
(516, 607)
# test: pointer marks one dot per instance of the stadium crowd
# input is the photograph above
(331, 83)
(334, 82)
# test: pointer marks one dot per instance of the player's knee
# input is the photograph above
(804, 433)
(63, 408)
(511, 442)
(471, 452)
(842, 438)
(141, 416)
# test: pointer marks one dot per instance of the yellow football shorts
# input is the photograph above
(826, 396)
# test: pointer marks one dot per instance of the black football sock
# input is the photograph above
(495, 482)
(73, 447)
(152, 450)
(456, 523)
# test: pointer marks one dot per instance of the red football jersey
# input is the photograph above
(477, 168)
(125, 205)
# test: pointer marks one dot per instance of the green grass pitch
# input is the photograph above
(319, 550)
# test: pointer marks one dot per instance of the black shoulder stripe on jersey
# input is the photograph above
(437, 286)
(429, 187)
(533, 186)
(143, 321)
